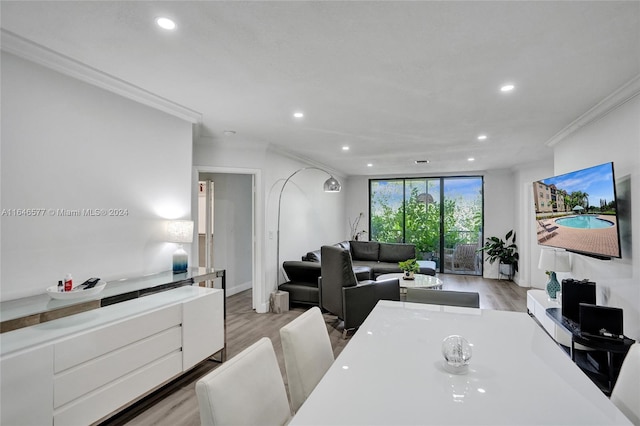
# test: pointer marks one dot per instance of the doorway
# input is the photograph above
(225, 222)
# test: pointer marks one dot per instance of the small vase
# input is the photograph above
(553, 286)
(408, 275)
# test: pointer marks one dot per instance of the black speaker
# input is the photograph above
(576, 292)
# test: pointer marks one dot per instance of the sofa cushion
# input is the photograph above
(300, 292)
(312, 256)
(386, 268)
(390, 252)
(316, 255)
(371, 264)
(363, 273)
(345, 245)
(301, 271)
(364, 250)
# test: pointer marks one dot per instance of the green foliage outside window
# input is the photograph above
(419, 218)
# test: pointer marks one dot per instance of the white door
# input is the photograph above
(205, 223)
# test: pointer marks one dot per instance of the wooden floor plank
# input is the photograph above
(176, 403)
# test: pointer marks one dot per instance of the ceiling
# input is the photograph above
(394, 81)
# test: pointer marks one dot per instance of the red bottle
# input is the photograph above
(68, 283)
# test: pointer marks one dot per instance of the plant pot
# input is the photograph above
(408, 276)
(506, 269)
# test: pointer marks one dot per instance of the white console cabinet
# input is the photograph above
(537, 303)
(81, 368)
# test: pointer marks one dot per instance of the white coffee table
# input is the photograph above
(419, 281)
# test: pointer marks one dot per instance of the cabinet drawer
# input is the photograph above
(100, 371)
(95, 405)
(25, 389)
(87, 346)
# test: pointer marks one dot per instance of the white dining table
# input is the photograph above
(392, 373)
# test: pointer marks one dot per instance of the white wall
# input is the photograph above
(614, 137)
(238, 156)
(529, 274)
(499, 212)
(358, 195)
(309, 217)
(70, 145)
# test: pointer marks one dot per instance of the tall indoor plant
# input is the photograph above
(503, 250)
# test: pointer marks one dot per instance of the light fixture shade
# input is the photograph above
(554, 260)
(180, 231)
(332, 185)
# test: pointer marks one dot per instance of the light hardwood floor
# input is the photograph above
(176, 403)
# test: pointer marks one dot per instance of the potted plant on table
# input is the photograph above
(503, 250)
(409, 267)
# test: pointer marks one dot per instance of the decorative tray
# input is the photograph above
(76, 293)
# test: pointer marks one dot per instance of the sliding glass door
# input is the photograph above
(462, 230)
(441, 216)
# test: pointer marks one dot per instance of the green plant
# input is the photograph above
(505, 251)
(409, 265)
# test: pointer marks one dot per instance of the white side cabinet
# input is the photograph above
(200, 338)
(537, 303)
(26, 391)
(81, 368)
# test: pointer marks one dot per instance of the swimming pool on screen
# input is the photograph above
(584, 222)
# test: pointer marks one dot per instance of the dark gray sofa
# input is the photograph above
(370, 259)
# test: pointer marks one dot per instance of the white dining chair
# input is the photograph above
(626, 392)
(307, 354)
(246, 390)
(443, 297)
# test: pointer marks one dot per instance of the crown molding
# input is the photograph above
(281, 151)
(618, 98)
(26, 49)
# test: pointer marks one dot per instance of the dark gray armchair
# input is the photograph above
(343, 295)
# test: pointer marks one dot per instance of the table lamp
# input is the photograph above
(552, 261)
(181, 232)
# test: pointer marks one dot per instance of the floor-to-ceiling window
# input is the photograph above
(442, 216)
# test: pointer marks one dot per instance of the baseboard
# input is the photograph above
(239, 288)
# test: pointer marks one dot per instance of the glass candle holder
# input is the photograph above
(456, 351)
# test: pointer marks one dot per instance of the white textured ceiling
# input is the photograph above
(395, 81)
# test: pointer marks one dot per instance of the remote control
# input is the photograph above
(90, 283)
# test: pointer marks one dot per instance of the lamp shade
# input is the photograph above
(180, 231)
(332, 185)
(554, 260)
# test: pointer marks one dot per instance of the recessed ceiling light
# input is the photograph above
(422, 161)
(298, 114)
(471, 159)
(369, 165)
(507, 88)
(229, 132)
(345, 148)
(482, 137)
(166, 23)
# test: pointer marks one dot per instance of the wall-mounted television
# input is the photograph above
(577, 211)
